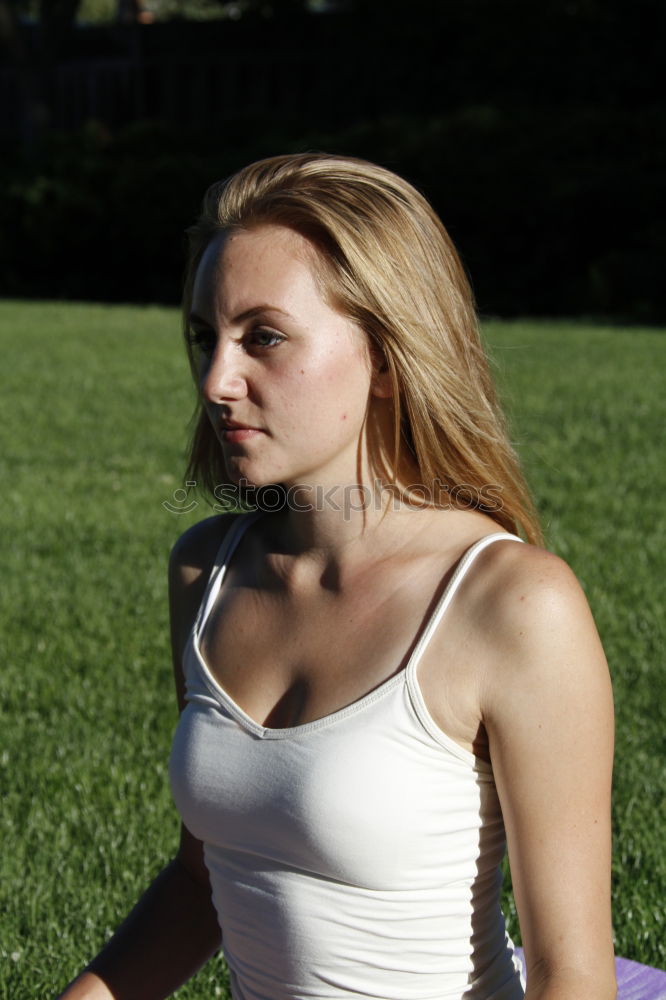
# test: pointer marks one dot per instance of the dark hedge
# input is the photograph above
(557, 212)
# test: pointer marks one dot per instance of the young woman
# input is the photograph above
(379, 681)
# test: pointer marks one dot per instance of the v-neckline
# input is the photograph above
(404, 674)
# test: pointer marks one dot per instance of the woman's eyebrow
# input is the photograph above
(255, 310)
(196, 320)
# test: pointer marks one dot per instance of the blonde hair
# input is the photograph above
(386, 262)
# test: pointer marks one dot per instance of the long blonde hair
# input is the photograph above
(386, 262)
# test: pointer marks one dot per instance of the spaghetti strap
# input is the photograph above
(222, 560)
(450, 591)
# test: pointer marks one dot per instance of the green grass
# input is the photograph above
(95, 405)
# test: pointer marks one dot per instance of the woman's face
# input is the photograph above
(285, 379)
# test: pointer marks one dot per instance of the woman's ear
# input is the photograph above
(381, 386)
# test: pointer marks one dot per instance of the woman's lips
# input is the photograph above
(240, 433)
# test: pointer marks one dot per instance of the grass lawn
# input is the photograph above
(95, 404)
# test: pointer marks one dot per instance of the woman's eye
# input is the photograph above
(202, 341)
(265, 338)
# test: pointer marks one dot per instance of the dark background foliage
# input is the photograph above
(537, 130)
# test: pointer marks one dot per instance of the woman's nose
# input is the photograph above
(224, 378)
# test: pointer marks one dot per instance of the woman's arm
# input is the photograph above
(173, 929)
(548, 712)
(167, 937)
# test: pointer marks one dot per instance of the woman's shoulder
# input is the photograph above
(193, 554)
(498, 577)
(518, 586)
(536, 623)
(511, 591)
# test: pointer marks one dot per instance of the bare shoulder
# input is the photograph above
(535, 618)
(522, 588)
(193, 554)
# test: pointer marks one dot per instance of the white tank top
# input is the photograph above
(356, 855)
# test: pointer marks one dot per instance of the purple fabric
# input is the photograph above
(634, 981)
